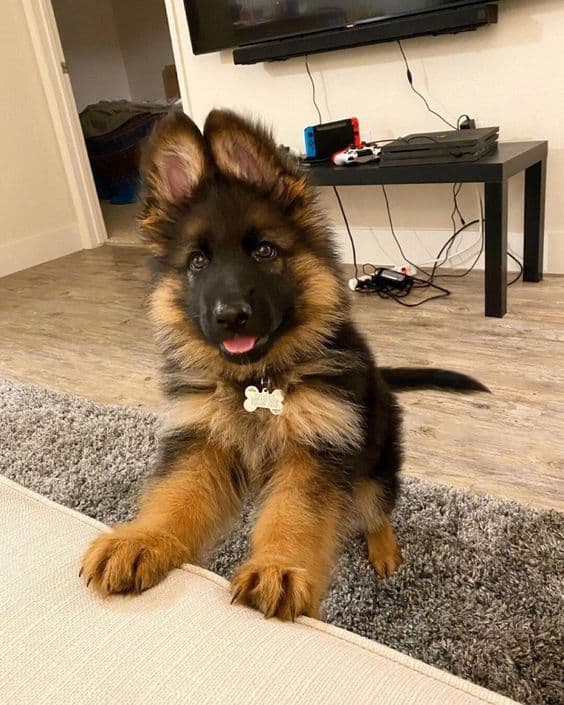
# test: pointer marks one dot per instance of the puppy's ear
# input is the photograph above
(174, 166)
(175, 161)
(247, 152)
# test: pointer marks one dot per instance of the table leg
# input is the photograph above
(535, 190)
(496, 248)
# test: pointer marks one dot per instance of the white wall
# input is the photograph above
(114, 48)
(38, 218)
(510, 74)
(92, 49)
(145, 44)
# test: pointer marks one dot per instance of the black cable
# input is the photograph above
(446, 246)
(410, 79)
(312, 88)
(516, 279)
(460, 118)
(434, 275)
(389, 293)
(429, 281)
(456, 189)
(394, 233)
(454, 236)
(438, 257)
(353, 248)
(418, 303)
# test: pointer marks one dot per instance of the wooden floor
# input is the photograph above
(78, 325)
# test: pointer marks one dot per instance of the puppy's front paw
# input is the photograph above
(130, 559)
(276, 590)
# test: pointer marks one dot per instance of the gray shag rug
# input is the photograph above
(479, 594)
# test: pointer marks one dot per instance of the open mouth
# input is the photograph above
(241, 345)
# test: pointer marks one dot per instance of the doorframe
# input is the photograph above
(49, 54)
(64, 114)
(179, 37)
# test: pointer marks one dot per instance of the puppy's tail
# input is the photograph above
(402, 378)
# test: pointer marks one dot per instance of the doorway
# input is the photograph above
(119, 58)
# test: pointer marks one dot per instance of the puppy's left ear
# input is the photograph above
(247, 152)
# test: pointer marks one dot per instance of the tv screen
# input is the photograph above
(223, 24)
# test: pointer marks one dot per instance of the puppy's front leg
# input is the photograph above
(181, 511)
(295, 540)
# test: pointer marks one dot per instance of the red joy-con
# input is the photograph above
(356, 132)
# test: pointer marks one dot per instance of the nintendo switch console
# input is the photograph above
(321, 141)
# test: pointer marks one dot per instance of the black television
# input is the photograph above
(269, 30)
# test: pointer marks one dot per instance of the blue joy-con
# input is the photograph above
(309, 138)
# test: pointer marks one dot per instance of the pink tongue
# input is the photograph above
(239, 344)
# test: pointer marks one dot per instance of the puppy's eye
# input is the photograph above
(265, 250)
(198, 260)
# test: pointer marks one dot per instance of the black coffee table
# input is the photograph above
(494, 172)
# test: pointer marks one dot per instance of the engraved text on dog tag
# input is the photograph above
(263, 400)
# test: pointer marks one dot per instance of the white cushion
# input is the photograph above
(181, 642)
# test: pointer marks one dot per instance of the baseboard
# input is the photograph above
(38, 248)
(373, 245)
(377, 246)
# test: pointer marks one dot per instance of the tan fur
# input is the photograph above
(312, 417)
(131, 558)
(370, 507)
(321, 307)
(383, 549)
(177, 332)
(369, 504)
(180, 516)
(294, 542)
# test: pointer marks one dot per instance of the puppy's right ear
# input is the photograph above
(174, 165)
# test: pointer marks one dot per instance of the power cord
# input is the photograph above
(312, 88)
(353, 248)
(410, 79)
(515, 279)
(447, 244)
(392, 230)
(456, 189)
(459, 121)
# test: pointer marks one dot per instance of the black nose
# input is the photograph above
(232, 315)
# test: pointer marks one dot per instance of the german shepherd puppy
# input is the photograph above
(251, 306)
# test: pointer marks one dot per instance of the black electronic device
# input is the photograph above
(267, 30)
(423, 159)
(444, 147)
(384, 279)
(446, 139)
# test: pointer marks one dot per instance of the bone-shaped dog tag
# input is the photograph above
(264, 400)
